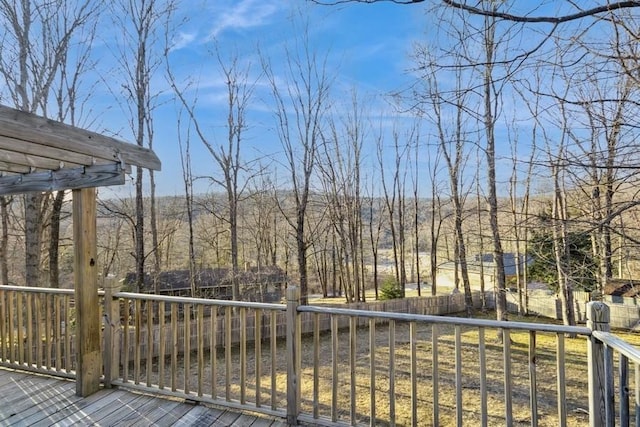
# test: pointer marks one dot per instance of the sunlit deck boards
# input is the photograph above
(35, 400)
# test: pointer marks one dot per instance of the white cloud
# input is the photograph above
(182, 40)
(242, 15)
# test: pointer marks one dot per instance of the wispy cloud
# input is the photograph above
(182, 40)
(242, 15)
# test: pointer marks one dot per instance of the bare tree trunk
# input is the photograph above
(54, 239)
(153, 219)
(560, 245)
(435, 208)
(374, 238)
(492, 199)
(187, 177)
(481, 244)
(513, 199)
(4, 240)
(33, 233)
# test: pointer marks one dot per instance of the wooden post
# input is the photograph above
(88, 356)
(293, 393)
(111, 332)
(597, 320)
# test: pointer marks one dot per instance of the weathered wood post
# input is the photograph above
(597, 320)
(293, 389)
(88, 354)
(111, 332)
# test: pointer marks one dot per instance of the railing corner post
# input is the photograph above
(293, 389)
(598, 319)
(111, 319)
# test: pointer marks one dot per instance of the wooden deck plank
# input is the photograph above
(228, 418)
(42, 401)
(35, 394)
(146, 414)
(75, 412)
(200, 415)
(190, 417)
(42, 408)
(267, 422)
(243, 420)
(175, 415)
(126, 412)
(13, 383)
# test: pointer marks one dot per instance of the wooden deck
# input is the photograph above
(36, 400)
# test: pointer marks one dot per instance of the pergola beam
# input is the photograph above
(63, 179)
(35, 129)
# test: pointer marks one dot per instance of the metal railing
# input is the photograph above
(410, 369)
(335, 366)
(215, 351)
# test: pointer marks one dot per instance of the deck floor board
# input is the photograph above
(28, 399)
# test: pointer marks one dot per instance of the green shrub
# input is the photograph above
(390, 289)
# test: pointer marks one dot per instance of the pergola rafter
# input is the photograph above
(40, 155)
(37, 154)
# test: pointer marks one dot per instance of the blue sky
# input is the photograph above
(368, 49)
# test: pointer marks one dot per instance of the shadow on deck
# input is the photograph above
(38, 400)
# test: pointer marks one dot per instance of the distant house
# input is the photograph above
(622, 288)
(481, 265)
(265, 284)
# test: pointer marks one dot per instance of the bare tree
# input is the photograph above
(235, 173)
(35, 39)
(301, 98)
(187, 177)
(452, 147)
(375, 220)
(489, 9)
(436, 218)
(340, 165)
(143, 26)
(4, 240)
(67, 88)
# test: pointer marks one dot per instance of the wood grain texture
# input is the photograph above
(28, 127)
(88, 354)
(37, 400)
(62, 179)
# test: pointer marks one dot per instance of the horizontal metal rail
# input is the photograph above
(200, 301)
(30, 289)
(619, 345)
(411, 364)
(445, 320)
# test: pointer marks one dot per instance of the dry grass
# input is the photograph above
(575, 371)
(576, 377)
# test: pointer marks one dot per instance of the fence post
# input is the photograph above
(597, 320)
(111, 329)
(293, 390)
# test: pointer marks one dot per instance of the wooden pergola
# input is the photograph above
(40, 155)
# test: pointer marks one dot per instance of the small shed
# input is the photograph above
(622, 288)
(261, 284)
(40, 155)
